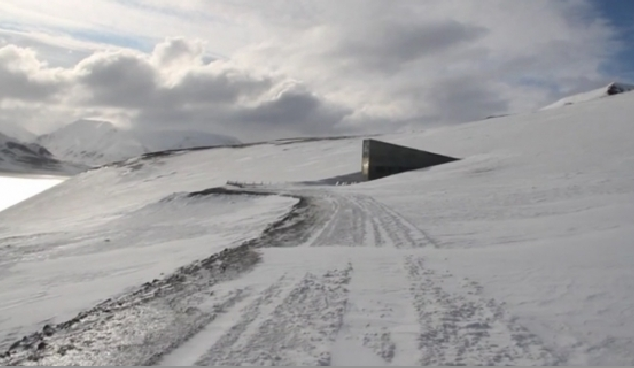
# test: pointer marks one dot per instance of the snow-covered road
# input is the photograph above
(337, 304)
(350, 287)
(342, 279)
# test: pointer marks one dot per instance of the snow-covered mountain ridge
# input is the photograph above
(20, 157)
(91, 142)
(96, 143)
(612, 89)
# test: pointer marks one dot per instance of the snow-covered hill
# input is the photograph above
(176, 139)
(96, 143)
(519, 253)
(19, 157)
(612, 89)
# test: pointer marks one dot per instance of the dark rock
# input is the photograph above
(63, 349)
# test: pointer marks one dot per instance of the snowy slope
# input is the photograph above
(176, 139)
(520, 253)
(96, 143)
(19, 157)
(612, 89)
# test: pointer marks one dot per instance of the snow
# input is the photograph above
(52, 272)
(96, 142)
(173, 139)
(573, 292)
(30, 158)
(591, 95)
(519, 253)
(91, 142)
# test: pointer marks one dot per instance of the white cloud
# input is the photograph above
(301, 66)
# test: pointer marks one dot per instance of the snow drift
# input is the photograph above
(612, 89)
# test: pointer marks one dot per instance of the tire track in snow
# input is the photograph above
(365, 309)
(348, 226)
(460, 327)
(263, 304)
(410, 235)
(185, 354)
(379, 234)
(359, 225)
(380, 324)
(379, 240)
(291, 327)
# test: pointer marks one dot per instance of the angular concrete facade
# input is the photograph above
(380, 159)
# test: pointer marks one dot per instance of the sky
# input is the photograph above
(255, 69)
(620, 14)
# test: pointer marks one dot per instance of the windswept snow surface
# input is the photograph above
(175, 139)
(611, 89)
(521, 253)
(67, 259)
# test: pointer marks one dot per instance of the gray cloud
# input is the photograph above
(119, 80)
(322, 66)
(21, 77)
(215, 88)
(386, 49)
(294, 111)
(130, 80)
(462, 98)
(18, 85)
(213, 97)
(295, 108)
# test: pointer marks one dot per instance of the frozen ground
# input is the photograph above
(518, 254)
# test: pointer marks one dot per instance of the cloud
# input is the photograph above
(178, 51)
(119, 79)
(387, 49)
(24, 77)
(170, 86)
(290, 67)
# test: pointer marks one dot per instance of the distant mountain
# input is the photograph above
(17, 132)
(611, 89)
(96, 142)
(92, 143)
(19, 157)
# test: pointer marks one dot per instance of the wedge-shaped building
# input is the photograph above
(380, 159)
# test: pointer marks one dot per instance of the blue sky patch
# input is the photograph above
(620, 14)
(137, 43)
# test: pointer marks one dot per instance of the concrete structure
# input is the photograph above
(380, 159)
